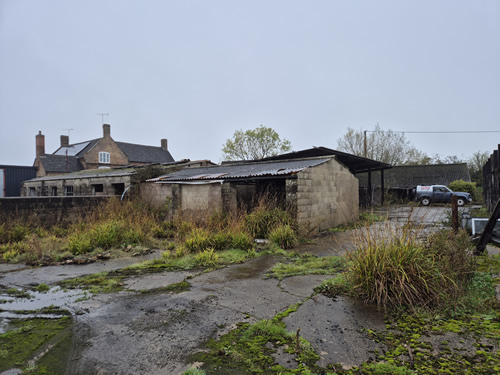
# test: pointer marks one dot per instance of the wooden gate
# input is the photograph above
(491, 176)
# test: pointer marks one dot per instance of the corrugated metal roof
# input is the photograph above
(356, 164)
(239, 171)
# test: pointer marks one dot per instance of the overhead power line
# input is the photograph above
(434, 132)
(424, 132)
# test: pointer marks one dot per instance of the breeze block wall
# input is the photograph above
(326, 196)
(184, 199)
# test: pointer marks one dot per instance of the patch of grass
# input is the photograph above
(207, 258)
(18, 293)
(383, 368)
(194, 371)
(198, 239)
(188, 261)
(248, 349)
(42, 288)
(308, 265)
(25, 337)
(284, 236)
(264, 219)
(338, 285)
(103, 282)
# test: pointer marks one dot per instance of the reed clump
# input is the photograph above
(400, 266)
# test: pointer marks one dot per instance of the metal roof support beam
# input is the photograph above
(370, 191)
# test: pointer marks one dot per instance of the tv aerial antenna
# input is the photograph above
(68, 131)
(102, 117)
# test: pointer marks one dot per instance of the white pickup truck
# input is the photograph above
(440, 194)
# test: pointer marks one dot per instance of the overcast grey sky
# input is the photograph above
(194, 71)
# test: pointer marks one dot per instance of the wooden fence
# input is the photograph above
(491, 176)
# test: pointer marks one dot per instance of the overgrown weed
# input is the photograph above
(119, 224)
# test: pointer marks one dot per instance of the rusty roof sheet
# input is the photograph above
(241, 171)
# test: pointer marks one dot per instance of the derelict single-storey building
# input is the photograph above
(83, 183)
(321, 191)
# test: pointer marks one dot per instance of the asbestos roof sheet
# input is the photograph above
(241, 171)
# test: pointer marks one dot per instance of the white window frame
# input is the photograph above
(104, 157)
(68, 190)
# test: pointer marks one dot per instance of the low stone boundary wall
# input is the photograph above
(48, 210)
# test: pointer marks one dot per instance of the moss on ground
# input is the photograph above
(27, 338)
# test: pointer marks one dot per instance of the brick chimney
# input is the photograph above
(40, 144)
(106, 130)
(164, 144)
(64, 140)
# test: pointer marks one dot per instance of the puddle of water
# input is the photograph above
(251, 269)
(55, 297)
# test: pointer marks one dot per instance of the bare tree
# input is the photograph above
(385, 146)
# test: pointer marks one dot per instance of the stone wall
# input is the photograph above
(47, 210)
(326, 196)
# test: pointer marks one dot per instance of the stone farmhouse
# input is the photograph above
(97, 153)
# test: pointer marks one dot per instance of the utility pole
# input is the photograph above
(365, 151)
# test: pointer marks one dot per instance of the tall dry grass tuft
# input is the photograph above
(396, 265)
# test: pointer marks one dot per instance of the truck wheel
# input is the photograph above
(425, 201)
(460, 202)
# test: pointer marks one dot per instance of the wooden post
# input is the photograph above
(487, 232)
(382, 187)
(454, 213)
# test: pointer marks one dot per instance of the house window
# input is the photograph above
(98, 188)
(32, 192)
(68, 190)
(104, 157)
(53, 191)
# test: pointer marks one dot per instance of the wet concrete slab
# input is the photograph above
(302, 286)
(130, 333)
(245, 288)
(335, 329)
(154, 281)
